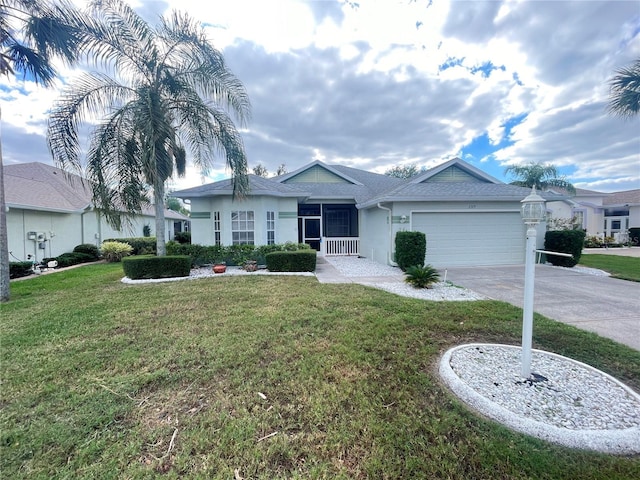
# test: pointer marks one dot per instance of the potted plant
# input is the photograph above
(250, 266)
(219, 267)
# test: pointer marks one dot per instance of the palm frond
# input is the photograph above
(624, 97)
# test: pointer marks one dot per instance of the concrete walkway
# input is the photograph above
(599, 304)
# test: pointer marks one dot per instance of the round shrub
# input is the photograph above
(115, 251)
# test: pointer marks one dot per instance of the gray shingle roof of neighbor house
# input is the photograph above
(627, 197)
(38, 186)
(257, 185)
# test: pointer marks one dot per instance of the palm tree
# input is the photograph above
(542, 176)
(169, 92)
(31, 35)
(624, 97)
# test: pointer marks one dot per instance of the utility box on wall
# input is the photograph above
(32, 235)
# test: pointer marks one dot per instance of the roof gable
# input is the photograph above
(317, 172)
(455, 171)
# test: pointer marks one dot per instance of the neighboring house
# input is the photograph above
(469, 217)
(50, 212)
(601, 214)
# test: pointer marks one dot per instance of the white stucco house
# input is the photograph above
(601, 214)
(50, 212)
(469, 217)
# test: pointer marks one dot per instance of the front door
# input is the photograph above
(311, 231)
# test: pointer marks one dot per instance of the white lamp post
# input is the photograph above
(533, 211)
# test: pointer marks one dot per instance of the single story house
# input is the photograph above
(469, 217)
(601, 214)
(50, 212)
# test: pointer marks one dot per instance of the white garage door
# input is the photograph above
(465, 239)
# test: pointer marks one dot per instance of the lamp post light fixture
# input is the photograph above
(533, 212)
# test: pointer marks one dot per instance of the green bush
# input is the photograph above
(89, 249)
(140, 245)
(411, 248)
(115, 251)
(421, 277)
(183, 237)
(70, 259)
(20, 269)
(231, 255)
(296, 261)
(144, 267)
(564, 241)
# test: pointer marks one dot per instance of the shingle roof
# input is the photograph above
(457, 191)
(627, 197)
(257, 185)
(372, 188)
(38, 186)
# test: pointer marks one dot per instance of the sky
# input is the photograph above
(374, 84)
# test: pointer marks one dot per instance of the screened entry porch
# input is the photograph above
(331, 229)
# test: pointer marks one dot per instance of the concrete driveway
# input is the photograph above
(604, 305)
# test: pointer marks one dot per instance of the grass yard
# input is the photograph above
(626, 268)
(263, 378)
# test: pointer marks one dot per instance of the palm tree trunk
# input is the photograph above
(4, 237)
(158, 196)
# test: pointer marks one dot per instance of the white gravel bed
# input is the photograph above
(440, 291)
(571, 403)
(358, 267)
(586, 270)
(207, 272)
(362, 267)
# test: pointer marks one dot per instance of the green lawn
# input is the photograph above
(263, 377)
(626, 268)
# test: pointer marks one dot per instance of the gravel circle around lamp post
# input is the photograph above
(563, 401)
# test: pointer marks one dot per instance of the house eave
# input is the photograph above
(39, 208)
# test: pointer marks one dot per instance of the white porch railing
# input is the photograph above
(341, 245)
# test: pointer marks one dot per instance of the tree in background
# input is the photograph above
(405, 171)
(31, 35)
(282, 169)
(542, 176)
(170, 92)
(624, 97)
(260, 170)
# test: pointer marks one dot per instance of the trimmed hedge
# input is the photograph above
(564, 241)
(140, 245)
(89, 249)
(411, 248)
(298, 261)
(20, 269)
(144, 267)
(231, 255)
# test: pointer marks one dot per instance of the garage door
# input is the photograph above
(479, 238)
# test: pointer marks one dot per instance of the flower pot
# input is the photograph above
(219, 268)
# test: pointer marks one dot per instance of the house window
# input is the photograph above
(271, 228)
(242, 227)
(217, 230)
